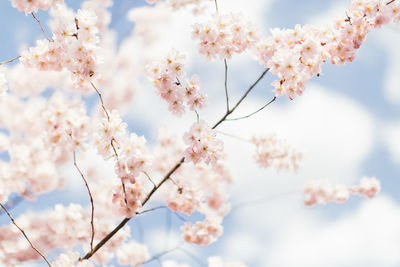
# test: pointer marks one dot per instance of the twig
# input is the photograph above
(191, 255)
(251, 114)
(148, 210)
(91, 202)
(159, 255)
(258, 201)
(226, 86)
(234, 136)
(10, 60)
(241, 99)
(148, 177)
(45, 34)
(26, 237)
(101, 100)
(216, 5)
(388, 3)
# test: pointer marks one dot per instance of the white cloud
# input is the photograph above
(391, 138)
(368, 236)
(389, 38)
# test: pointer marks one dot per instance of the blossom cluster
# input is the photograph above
(296, 55)
(128, 199)
(73, 47)
(167, 75)
(321, 192)
(272, 152)
(204, 232)
(203, 144)
(66, 124)
(225, 35)
(29, 6)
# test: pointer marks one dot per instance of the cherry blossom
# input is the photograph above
(272, 152)
(322, 192)
(225, 35)
(203, 145)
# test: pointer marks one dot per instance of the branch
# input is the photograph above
(45, 34)
(216, 5)
(251, 114)
(226, 86)
(22, 231)
(168, 175)
(10, 60)
(159, 255)
(241, 99)
(91, 202)
(101, 100)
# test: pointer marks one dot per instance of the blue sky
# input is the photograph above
(345, 122)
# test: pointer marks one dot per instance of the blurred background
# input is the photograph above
(346, 124)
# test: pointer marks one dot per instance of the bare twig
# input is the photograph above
(216, 5)
(226, 86)
(191, 255)
(388, 3)
(155, 208)
(251, 114)
(102, 102)
(91, 202)
(159, 255)
(148, 177)
(10, 60)
(23, 233)
(41, 27)
(234, 136)
(241, 99)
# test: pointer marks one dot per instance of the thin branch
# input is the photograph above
(226, 85)
(26, 237)
(148, 177)
(257, 201)
(152, 209)
(102, 102)
(241, 99)
(159, 255)
(45, 34)
(216, 5)
(388, 3)
(191, 255)
(91, 201)
(251, 114)
(10, 60)
(197, 116)
(234, 136)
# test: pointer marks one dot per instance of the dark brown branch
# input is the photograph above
(388, 3)
(91, 202)
(26, 237)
